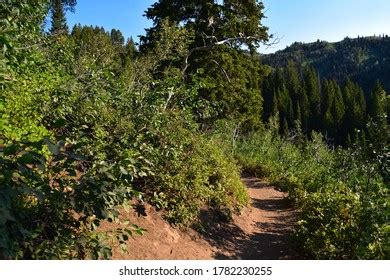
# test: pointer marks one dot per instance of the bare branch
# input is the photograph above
(223, 70)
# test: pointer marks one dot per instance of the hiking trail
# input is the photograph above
(262, 231)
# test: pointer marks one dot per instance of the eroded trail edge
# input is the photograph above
(262, 231)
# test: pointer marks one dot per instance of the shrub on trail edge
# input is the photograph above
(191, 171)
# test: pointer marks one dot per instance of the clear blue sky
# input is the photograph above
(289, 20)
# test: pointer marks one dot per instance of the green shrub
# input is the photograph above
(49, 209)
(191, 172)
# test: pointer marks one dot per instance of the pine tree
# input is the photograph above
(117, 37)
(284, 127)
(220, 31)
(326, 108)
(77, 32)
(293, 81)
(274, 105)
(58, 18)
(312, 88)
(297, 114)
(376, 105)
(355, 107)
(237, 21)
(305, 109)
(285, 107)
(268, 94)
(131, 49)
(338, 112)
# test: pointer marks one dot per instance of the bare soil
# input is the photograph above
(262, 231)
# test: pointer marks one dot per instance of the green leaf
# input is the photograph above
(53, 148)
(123, 170)
(27, 158)
(59, 123)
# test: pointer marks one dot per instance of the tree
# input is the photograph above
(376, 104)
(69, 5)
(312, 88)
(304, 108)
(231, 22)
(220, 31)
(293, 81)
(355, 107)
(338, 111)
(130, 51)
(117, 37)
(58, 19)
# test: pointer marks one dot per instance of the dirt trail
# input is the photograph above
(262, 231)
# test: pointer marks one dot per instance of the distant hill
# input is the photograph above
(364, 60)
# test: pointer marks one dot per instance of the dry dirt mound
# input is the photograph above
(261, 232)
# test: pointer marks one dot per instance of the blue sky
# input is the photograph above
(289, 20)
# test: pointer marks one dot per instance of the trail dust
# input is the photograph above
(262, 231)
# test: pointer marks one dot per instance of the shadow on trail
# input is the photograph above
(269, 240)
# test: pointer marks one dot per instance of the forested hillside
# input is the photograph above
(93, 125)
(341, 111)
(362, 60)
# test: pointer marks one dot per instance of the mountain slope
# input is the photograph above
(364, 60)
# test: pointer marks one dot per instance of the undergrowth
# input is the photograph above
(341, 198)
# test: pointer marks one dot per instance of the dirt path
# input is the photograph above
(262, 231)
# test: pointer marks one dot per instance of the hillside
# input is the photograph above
(364, 59)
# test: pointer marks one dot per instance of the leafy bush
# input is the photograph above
(49, 209)
(190, 171)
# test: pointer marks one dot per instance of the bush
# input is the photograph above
(191, 172)
(49, 209)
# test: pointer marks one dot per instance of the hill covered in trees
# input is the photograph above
(334, 88)
(363, 60)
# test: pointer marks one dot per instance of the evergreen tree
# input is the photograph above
(69, 5)
(355, 107)
(312, 88)
(220, 31)
(77, 32)
(304, 108)
(285, 106)
(293, 81)
(117, 37)
(269, 98)
(284, 127)
(238, 22)
(131, 49)
(297, 114)
(338, 111)
(326, 108)
(376, 106)
(58, 18)
(274, 106)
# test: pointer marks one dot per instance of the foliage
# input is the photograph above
(88, 123)
(216, 56)
(49, 208)
(115, 135)
(342, 199)
(58, 19)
